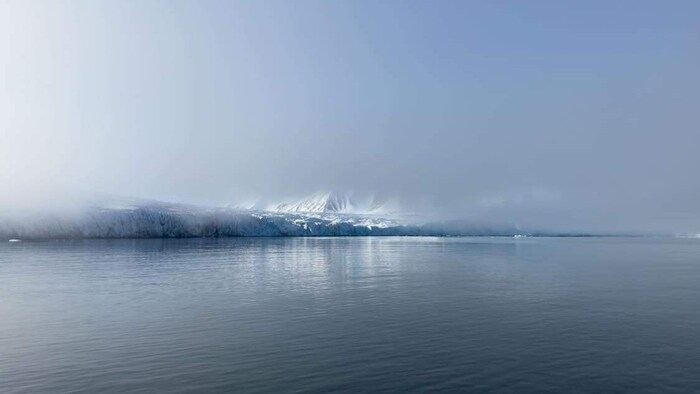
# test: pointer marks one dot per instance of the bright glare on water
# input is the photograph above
(350, 314)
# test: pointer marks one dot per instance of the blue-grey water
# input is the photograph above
(350, 314)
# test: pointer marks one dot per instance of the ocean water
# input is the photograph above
(350, 314)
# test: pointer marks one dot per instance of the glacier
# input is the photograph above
(326, 214)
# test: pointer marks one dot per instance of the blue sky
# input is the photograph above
(579, 114)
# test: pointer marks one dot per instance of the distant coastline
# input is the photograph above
(157, 222)
(330, 215)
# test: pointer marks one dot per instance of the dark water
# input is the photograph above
(350, 314)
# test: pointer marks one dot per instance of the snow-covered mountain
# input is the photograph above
(340, 202)
(321, 203)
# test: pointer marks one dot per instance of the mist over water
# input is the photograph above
(578, 117)
(349, 196)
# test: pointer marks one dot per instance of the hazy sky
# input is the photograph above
(579, 115)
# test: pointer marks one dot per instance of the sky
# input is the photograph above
(563, 115)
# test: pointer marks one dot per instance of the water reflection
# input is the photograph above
(347, 314)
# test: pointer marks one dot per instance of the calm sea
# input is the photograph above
(350, 315)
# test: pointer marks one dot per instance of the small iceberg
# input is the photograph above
(15, 240)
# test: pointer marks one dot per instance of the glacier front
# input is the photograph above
(325, 215)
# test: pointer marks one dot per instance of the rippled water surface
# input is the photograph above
(350, 314)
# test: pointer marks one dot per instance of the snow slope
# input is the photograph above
(341, 202)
